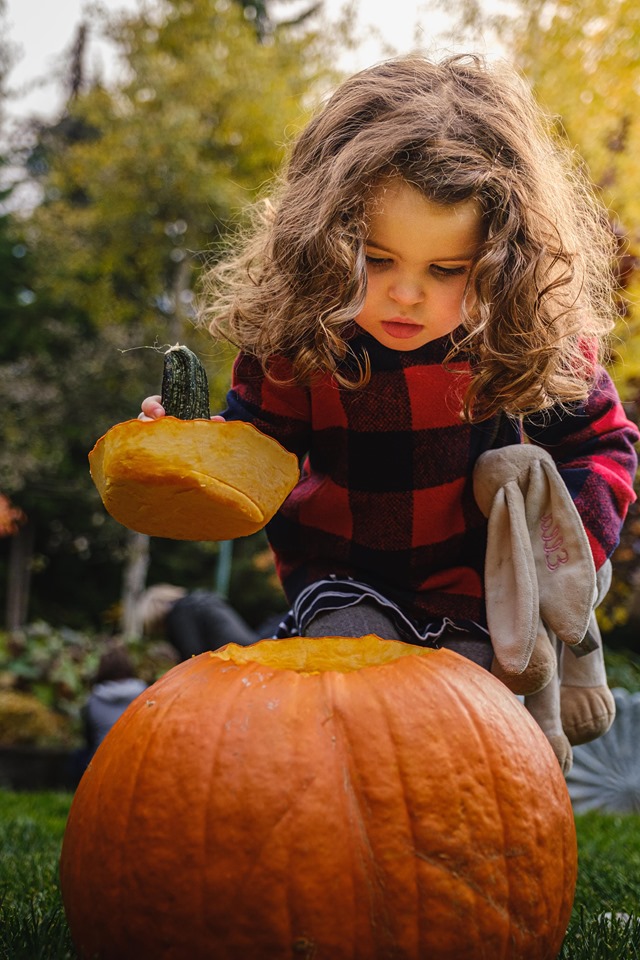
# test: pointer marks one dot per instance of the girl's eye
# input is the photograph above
(445, 272)
(377, 262)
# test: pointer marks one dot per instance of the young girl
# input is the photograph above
(431, 280)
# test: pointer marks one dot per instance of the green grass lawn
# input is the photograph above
(32, 922)
(33, 927)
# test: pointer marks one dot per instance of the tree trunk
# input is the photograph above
(133, 583)
(223, 571)
(178, 320)
(19, 579)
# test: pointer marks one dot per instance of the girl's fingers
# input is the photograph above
(152, 409)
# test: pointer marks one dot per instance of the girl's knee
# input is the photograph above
(473, 648)
(355, 621)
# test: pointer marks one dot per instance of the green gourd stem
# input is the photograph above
(185, 388)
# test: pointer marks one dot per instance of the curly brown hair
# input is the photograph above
(540, 292)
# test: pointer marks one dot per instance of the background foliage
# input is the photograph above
(136, 186)
(112, 210)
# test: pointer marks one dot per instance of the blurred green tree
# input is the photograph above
(138, 183)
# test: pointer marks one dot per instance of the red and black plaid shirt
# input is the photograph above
(386, 492)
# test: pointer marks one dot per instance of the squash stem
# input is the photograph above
(185, 388)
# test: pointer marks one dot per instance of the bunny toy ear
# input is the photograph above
(538, 560)
(564, 563)
(510, 581)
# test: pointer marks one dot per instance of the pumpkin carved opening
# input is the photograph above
(312, 655)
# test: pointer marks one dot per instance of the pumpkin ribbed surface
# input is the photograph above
(334, 799)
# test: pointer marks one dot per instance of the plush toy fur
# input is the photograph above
(541, 590)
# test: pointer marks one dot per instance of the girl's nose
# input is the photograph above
(406, 291)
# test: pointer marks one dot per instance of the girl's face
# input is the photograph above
(419, 255)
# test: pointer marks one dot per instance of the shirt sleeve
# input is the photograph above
(593, 447)
(277, 407)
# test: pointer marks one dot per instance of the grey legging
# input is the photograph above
(366, 617)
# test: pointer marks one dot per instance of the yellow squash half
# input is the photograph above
(191, 479)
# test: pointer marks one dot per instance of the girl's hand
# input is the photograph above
(152, 409)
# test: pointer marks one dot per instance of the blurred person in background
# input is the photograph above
(115, 687)
(193, 622)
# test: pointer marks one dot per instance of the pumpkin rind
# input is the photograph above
(244, 811)
(191, 479)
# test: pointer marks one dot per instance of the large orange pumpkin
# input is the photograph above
(334, 799)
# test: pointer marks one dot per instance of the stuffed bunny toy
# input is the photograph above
(541, 590)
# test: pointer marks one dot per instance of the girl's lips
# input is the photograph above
(401, 329)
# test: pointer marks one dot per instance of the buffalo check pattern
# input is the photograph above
(385, 496)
